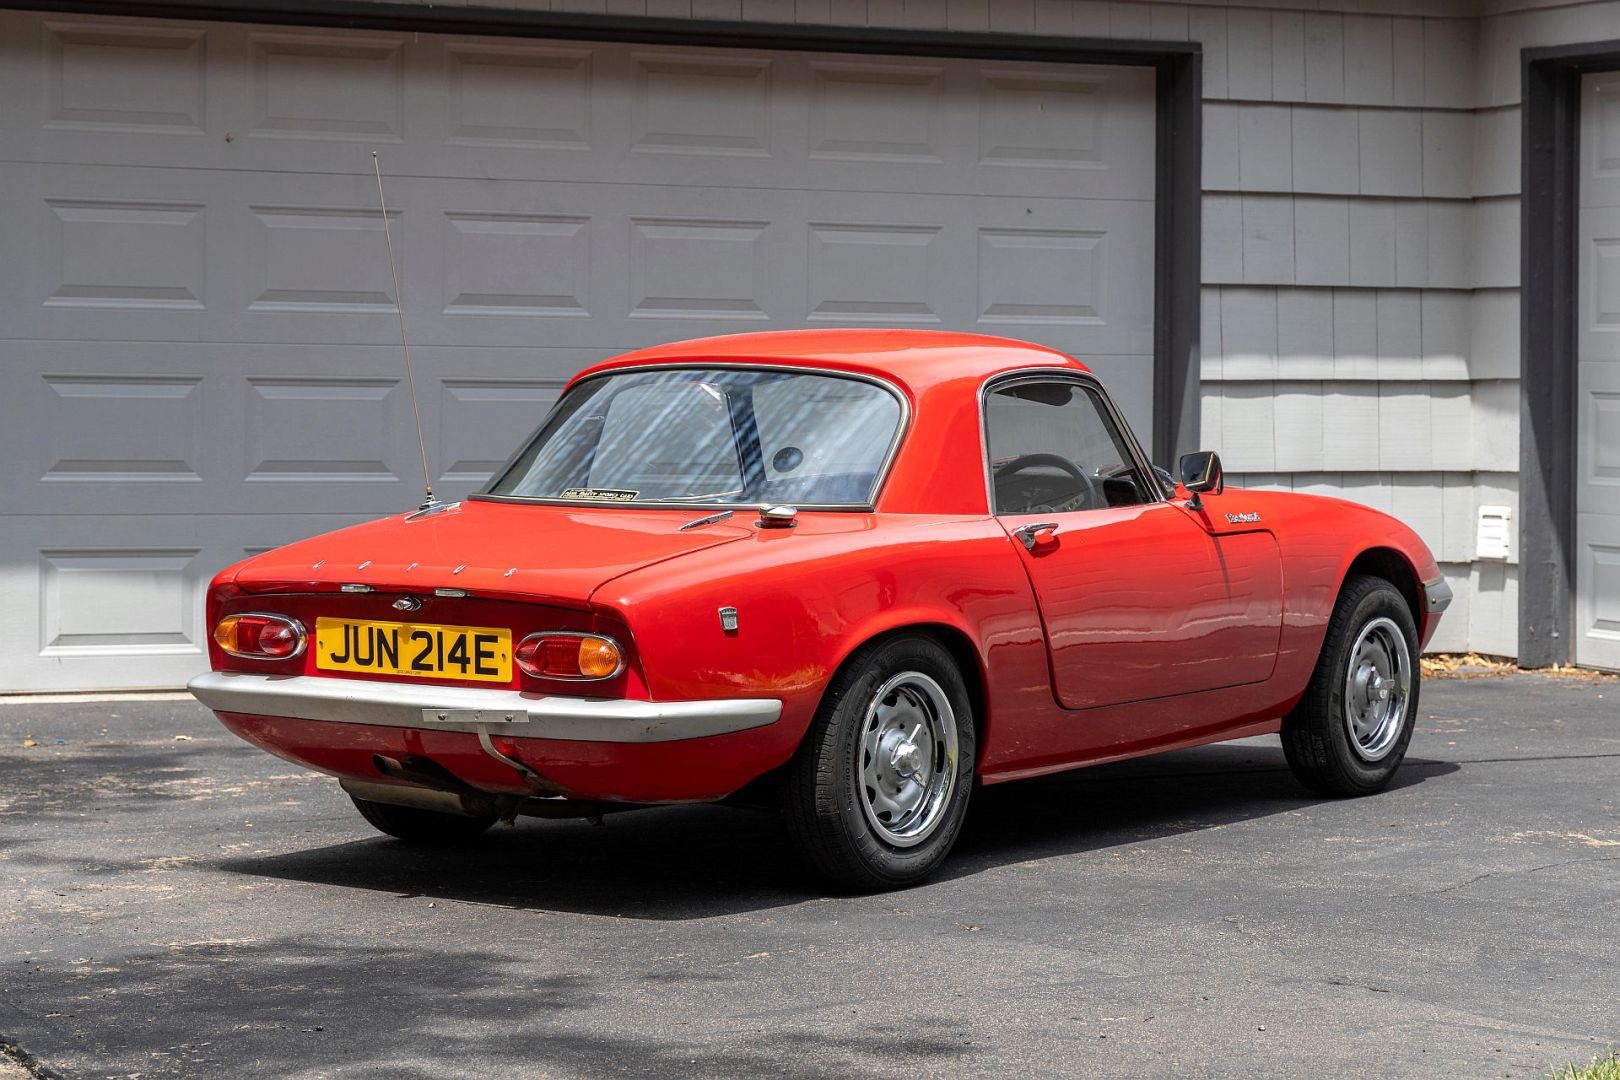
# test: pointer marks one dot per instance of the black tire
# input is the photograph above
(1323, 746)
(832, 823)
(425, 828)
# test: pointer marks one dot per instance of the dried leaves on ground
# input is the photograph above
(1473, 665)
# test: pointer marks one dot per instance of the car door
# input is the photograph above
(1138, 599)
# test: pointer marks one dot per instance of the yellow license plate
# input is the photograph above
(425, 650)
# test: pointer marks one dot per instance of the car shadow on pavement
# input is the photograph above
(1142, 799)
(705, 861)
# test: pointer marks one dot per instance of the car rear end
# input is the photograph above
(435, 687)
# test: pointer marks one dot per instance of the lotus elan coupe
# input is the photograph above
(856, 573)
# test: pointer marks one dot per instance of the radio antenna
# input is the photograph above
(399, 309)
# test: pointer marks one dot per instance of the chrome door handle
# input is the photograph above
(1029, 535)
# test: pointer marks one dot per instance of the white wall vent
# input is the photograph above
(1495, 532)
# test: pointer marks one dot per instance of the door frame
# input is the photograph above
(1178, 67)
(1549, 284)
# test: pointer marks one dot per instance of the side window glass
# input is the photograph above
(1054, 449)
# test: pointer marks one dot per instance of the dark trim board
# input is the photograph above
(1179, 155)
(1548, 294)
(1178, 258)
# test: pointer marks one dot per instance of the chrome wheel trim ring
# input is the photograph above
(1377, 689)
(905, 765)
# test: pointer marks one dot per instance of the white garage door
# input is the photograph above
(197, 331)
(1597, 455)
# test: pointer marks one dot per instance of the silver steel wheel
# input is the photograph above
(907, 766)
(1377, 688)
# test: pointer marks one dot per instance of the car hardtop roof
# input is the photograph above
(916, 359)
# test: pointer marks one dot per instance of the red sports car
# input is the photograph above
(858, 572)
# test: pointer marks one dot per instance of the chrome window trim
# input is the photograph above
(900, 431)
(619, 670)
(285, 620)
(1004, 379)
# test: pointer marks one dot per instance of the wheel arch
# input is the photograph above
(956, 641)
(1394, 567)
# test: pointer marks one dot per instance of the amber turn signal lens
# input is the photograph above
(260, 637)
(598, 657)
(568, 656)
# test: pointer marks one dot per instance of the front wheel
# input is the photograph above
(1348, 734)
(425, 828)
(877, 793)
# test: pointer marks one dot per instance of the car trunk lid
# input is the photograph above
(544, 553)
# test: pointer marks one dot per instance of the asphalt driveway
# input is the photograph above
(175, 903)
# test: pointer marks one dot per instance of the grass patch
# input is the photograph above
(1604, 1067)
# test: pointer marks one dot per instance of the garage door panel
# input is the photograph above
(878, 111)
(114, 601)
(1600, 140)
(86, 422)
(514, 96)
(1598, 443)
(111, 252)
(1599, 305)
(89, 84)
(329, 86)
(1075, 266)
(481, 422)
(1597, 610)
(522, 265)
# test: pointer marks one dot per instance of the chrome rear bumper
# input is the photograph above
(469, 709)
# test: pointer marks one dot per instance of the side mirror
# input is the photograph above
(1200, 474)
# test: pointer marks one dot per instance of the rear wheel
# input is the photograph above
(1349, 733)
(427, 828)
(878, 791)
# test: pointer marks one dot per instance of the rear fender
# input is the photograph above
(805, 601)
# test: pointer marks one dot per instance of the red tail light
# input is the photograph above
(261, 637)
(563, 655)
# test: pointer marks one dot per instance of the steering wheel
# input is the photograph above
(1086, 496)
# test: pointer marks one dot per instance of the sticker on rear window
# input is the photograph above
(601, 494)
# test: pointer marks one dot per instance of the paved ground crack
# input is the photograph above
(1505, 873)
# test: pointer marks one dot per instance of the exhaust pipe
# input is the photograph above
(441, 802)
(479, 803)
(443, 792)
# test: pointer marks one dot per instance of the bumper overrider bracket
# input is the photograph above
(539, 783)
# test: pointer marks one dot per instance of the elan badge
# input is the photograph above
(600, 494)
(1243, 519)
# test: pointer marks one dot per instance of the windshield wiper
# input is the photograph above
(697, 523)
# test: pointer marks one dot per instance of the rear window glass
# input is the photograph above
(711, 435)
